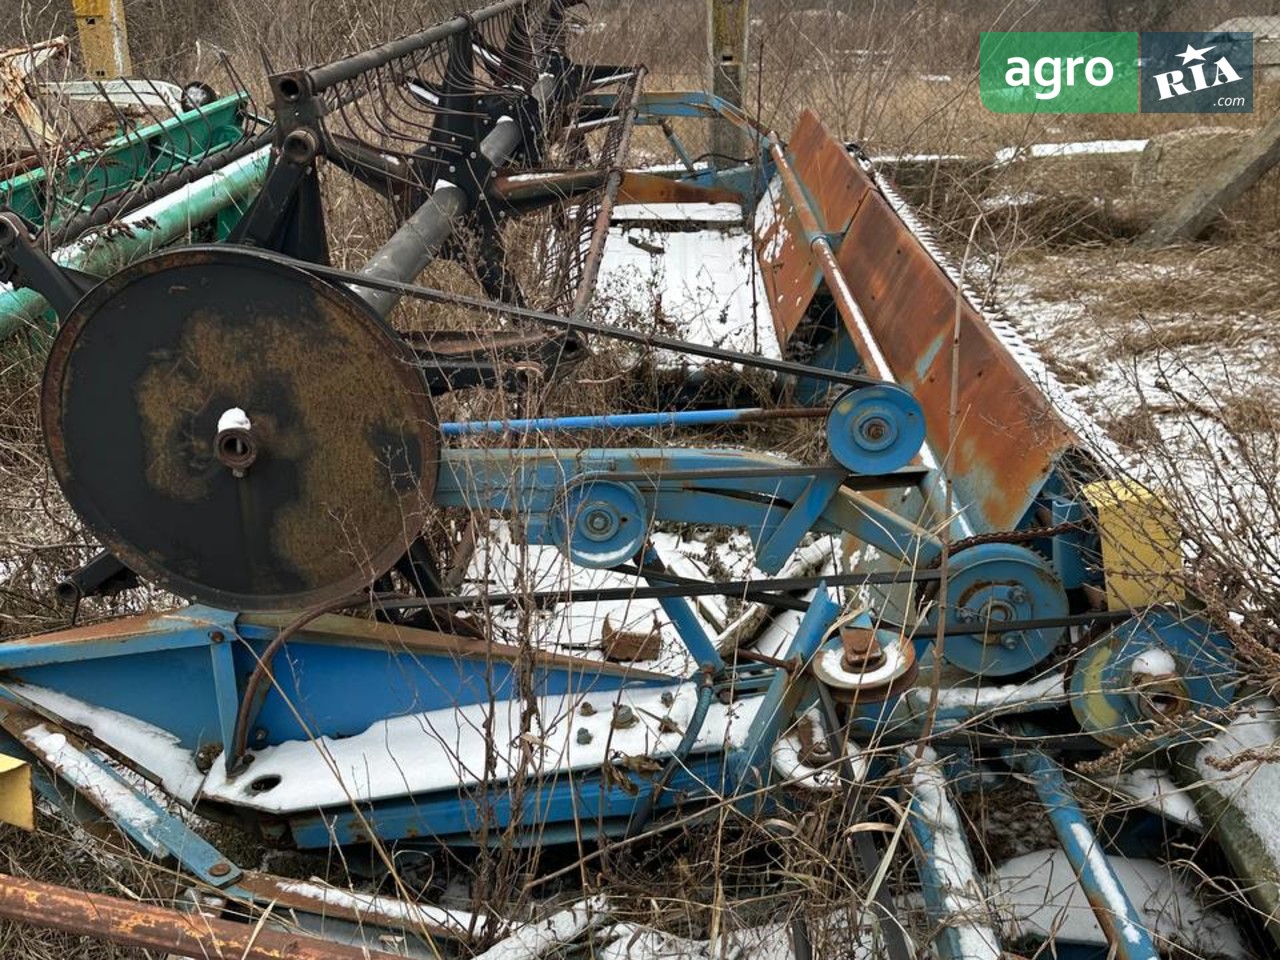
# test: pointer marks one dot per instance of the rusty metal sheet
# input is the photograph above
(1008, 436)
(788, 268)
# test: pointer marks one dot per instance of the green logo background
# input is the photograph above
(1119, 95)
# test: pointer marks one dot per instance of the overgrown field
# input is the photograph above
(1174, 352)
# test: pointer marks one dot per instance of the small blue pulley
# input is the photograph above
(600, 524)
(875, 429)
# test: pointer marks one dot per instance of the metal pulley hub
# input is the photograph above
(1163, 668)
(989, 584)
(600, 523)
(238, 431)
(875, 429)
(869, 665)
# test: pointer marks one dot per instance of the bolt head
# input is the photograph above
(584, 736)
(220, 869)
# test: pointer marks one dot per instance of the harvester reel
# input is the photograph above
(239, 431)
(989, 584)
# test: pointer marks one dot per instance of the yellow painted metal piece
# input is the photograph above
(17, 805)
(104, 42)
(1141, 554)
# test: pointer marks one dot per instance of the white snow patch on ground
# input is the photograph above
(1253, 788)
(1041, 150)
(1037, 895)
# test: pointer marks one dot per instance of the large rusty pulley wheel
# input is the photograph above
(240, 432)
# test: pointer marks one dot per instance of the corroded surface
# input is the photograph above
(137, 381)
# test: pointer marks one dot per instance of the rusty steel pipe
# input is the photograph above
(150, 927)
(612, 184)
(854, 320)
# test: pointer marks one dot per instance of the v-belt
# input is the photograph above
(656, 340)
(769, 591)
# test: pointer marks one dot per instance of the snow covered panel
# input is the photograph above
(447, 749)
(1037, 896)
(700, 285)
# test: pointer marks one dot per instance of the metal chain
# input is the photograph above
(1011, 536)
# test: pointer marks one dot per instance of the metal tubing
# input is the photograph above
(688, 626)
(1119, 919)
(348, 67)
(132, 923)
(752, 761)
(868, 350)
(420, 238)
(952, 890)
(622, 421)
(118, 207)
(604, 216)
(143, 231)
(855, 322)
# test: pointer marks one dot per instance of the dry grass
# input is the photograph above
(1063, 255)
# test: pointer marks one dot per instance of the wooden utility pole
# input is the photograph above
(1229, 181)
(727, 50)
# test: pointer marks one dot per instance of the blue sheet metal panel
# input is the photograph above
(126, 636)
(555, 803)
(171, 689)
(333, 689)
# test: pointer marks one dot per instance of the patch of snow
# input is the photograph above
(948, 857)
(502, 565)
(1109, 886)
(701, 283)
(540, 937)
(379, 909)
(154, 752)
(1156, 791)
(233, 418)
(677, 213)
(1040, 692)
(1253, 788)
(1154, 662)
(1041, 150)
(110, 795)
(447, 749)
(772, 941)
(1006, 198)
(1037, 895)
